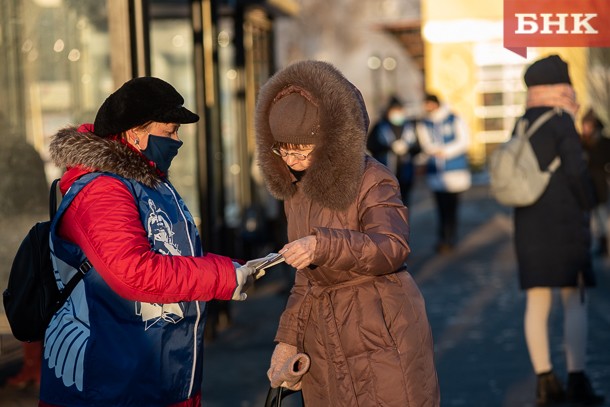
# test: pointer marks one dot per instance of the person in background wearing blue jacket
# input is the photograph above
(445, 139)
(393, 142)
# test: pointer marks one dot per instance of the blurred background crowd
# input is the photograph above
(61, 58)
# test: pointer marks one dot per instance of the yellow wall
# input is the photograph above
(451, 76)
(450, 68)
(452, 9)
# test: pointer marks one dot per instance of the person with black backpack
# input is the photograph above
(552, 236)
(131, 331)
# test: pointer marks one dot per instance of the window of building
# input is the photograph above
(500, 91)
(56, 68)
(171, 59)
(501, 99)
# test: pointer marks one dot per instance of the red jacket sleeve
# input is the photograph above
(104, 222)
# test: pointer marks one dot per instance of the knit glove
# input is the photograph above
(287, 367)
(243, 275)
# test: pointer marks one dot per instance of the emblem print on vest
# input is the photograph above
(160, 229)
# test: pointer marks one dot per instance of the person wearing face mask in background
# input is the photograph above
(131, 332)
(393, 142)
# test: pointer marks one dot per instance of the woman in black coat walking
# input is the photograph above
(552, 236)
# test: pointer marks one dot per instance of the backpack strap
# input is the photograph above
(545, 117)
(85, 265)
(82, 270)
(554, 165)
(53, 199)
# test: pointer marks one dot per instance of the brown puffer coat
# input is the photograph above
(356, 311)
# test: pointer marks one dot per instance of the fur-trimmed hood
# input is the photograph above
(71, 148)
(337, 165)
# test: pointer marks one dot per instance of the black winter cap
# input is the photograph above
(394, 102)
(547, 71)
(138, 101)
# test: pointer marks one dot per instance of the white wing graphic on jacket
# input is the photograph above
(66, 339)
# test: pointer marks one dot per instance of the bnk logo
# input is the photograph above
(561, 23)
(555, 23)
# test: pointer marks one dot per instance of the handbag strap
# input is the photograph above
(277, 394)
(274, 398)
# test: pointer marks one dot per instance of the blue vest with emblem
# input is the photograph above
(444, 133)
(103, 350)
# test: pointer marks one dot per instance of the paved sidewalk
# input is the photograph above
(474, 306)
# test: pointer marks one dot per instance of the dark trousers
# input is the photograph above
(447, 209)
(405, 192)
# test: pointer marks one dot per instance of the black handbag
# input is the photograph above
(277, 394)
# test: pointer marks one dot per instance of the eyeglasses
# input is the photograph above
(284, 154)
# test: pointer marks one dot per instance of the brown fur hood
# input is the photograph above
(337, 163)
(71, 148)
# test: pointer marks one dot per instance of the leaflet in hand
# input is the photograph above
(260, 265)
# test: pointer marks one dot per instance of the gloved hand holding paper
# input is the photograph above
(260, 265)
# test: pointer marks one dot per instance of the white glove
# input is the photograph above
(263, 263)
(244, 281)
(400, 147)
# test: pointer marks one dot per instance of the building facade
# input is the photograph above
(468, 67)
(61, 58)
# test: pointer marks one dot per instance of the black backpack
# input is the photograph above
(32, 296)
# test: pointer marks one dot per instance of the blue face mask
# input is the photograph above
(161, 151)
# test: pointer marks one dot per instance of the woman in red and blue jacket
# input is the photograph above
(131, 332)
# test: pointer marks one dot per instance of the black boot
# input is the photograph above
(549, 389)
(580, 390)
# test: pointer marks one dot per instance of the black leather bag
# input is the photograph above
(276, 395)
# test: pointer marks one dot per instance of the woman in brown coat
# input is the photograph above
(354, 309)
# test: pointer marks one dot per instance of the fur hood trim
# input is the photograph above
(71, 148)
(334, 175)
